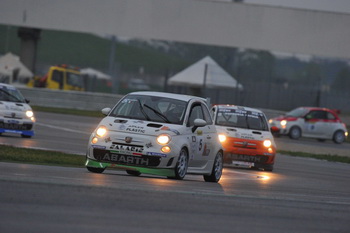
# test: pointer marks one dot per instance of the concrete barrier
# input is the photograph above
(69, 99)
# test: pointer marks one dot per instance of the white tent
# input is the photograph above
(11, 66)
(205, 73)
(95, 73)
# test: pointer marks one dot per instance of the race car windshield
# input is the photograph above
(10, 94)
(298, 112)
(241, 119)
(151, 108)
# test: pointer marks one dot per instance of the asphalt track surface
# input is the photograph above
(300, 195)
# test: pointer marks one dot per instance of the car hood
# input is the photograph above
(244, 133)
(14, 109)
(134, 126)
(287, 118)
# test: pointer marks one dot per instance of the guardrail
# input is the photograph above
(69, 99)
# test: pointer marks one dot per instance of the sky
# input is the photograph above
(342, 6)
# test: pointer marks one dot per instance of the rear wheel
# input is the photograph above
(339, 137)
(181, 165)
(217, 169)
(95, 169)
(133, 173)
(295, 132)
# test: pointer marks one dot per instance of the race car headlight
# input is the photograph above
(270, 121)
(29, 114)
(101, 131)
(222, 138)
(283, 122)
(163, 139)
(267, 143)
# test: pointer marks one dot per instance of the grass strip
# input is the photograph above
(328, 157)
(68, 111)
(35, 156)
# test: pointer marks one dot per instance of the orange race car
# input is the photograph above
(245, 136)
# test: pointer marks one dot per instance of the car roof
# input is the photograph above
(323, 109)
(230, 106)
(167, 95)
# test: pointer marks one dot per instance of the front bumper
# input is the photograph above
(17, 127)
(145, 159)
(170, 172)
(253, 160)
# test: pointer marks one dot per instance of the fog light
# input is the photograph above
(94, 140)
(270, 150)
(165, 149)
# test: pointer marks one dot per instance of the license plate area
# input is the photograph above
(243, 164)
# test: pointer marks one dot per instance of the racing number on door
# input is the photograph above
(200, 144)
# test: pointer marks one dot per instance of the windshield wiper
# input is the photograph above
(13, 96)
(142, 110)
(158, 113)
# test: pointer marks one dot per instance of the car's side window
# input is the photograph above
(195, 113)
(330, 116)
(317, 115)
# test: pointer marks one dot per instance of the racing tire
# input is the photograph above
(216, 172)
(268, 168)
(339, 137)
(133, 173)
(295, 132)
(181, 165)
(25, 136)
(95, 169)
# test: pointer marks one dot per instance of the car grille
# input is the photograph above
(244, 144)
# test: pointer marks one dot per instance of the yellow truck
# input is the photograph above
(60, 77)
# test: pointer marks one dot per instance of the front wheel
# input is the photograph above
(95, 169)
(339, 137)
(217, 169)
(295, 132)
(181, 165)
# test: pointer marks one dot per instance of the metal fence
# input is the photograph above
(275, 96)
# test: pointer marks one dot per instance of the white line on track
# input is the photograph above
(62, 128)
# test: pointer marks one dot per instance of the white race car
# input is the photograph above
(157, 133)
(310, 122)
(16, 116)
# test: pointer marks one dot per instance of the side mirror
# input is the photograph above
(198, 123)
(27, 101)
(105, 111)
